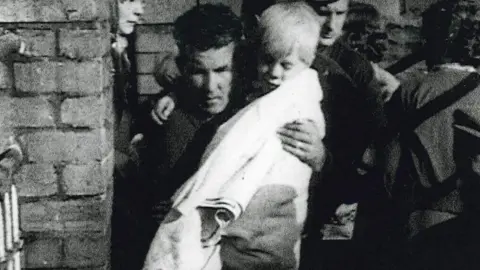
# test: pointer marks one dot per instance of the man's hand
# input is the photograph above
(303, 139)
(163, 109)
(384, 83)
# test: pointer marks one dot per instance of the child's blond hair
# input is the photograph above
(287, 26)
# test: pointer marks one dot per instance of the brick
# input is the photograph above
(83, 112)
(5, 113)
(85, 10)
(166, 11)
(36, 180)
(155, 38)
(109, 113)
(49, 146)
(52, 10)
(107, 72)
(44, 253)
(89, 179)
(85, 251)
(36, 77)
(32, 112)
(83, 44)
(7, 11)
(39, 42)
(92, 145)
(80, 77)
(148, 85)
(235, 5)
(56, 146)
(146, 61)
(79, 216)
(6, 76)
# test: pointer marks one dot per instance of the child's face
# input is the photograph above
(273, 72)
(130, 12)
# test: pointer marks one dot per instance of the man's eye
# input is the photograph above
(222, 69)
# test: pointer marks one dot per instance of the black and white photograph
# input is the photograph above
(240, 134)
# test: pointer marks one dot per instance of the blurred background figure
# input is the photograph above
(423, 173)
(364, 31)
(126, 228)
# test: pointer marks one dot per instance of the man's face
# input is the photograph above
(332, 19)
(210, 75)
(129, 13)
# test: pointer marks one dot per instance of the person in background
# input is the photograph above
(455, 243)
(364, 32)
(422, 175)
(125, 227)
(127, 14)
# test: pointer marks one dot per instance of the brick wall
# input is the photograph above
(58, 105)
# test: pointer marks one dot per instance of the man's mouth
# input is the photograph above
(212, 100)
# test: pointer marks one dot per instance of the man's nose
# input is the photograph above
(329, 23)
(210, 83)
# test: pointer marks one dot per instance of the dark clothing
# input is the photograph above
(174, 151)
(353, 116)
(452, 245)
(433, 179)
(125, 194)
(423, 178)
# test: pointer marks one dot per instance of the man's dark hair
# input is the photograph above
(451, 31)
(207, 26)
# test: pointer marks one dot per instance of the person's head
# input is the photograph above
(129, 14)
(207, 36)
(333, 14)
(288, 36)
(364, 32)
(451, 30)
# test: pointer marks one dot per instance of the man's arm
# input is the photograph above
(264, 236)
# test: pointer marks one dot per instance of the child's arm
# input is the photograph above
(166, 74)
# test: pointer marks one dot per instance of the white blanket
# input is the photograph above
(236, 163)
